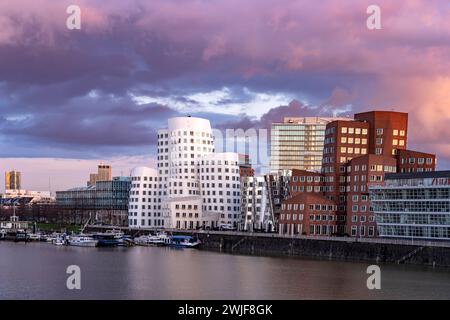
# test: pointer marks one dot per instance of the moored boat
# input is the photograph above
(82, 241)
(184, 242)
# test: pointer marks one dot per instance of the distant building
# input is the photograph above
(245, 166)
(413, 205)
(104, 173)
(19, 197)
(13, 180)
(297, 143)
(105, 202)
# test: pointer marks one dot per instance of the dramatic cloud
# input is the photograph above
(104, 90)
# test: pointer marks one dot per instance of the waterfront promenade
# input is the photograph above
(376, 250)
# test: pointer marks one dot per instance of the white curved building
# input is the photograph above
(220, 187)
(195, 187)
(145, 201)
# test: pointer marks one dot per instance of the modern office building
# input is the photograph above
(104, 173)
(144, 208)
(297, 143)
(413, 205)
(105, 202)
(13, 180)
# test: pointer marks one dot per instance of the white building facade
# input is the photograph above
(197, 188)
(144, 208)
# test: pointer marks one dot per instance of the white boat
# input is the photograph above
(59, 241)
(82, 241)
(34, 236)
(153, 240)
(117, 234)
(184, 242)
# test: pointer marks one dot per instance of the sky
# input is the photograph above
(70, 99)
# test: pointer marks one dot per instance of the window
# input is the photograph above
(344, 130)
(395, 132)
(358, 131)
(351, 130)
(395, 142)
(364, 131)
(402, 133)
(379, 131)
(343, 140)
(401, 142)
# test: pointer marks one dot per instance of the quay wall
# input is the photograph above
(333, 248)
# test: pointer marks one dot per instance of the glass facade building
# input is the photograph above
(413, 205)
(297, 143)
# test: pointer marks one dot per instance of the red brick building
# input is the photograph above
(306, 181)
(388, 131)
(415, 161)
(362, 172)
(357, 153)
(308, 214)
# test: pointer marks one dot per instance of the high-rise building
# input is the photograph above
(297, 143)
(13, 180)
(413, 205)
(104, 173)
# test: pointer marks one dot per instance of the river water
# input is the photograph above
(38, 271)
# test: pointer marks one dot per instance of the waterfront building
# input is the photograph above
(356, 155)
(308, 214)
(362, 173)
(413, 205)
(297, 143)
(199, 188)
(104, 173)
(261, 200)
(144, 208)
(105, 202)
(221, 188)
(13, 180)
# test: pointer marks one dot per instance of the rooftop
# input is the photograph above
(418, 175)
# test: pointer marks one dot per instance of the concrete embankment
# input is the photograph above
(333, 248)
